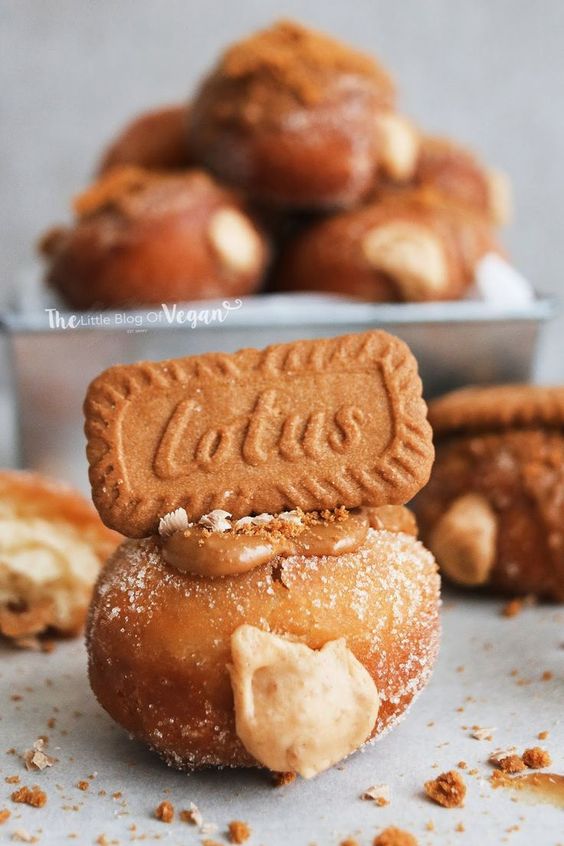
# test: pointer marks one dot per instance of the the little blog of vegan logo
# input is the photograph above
(169, 314)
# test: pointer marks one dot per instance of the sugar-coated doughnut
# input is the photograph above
(410, 245)
(454, 171)
(156, 139)
(159, 640)
(292, 116)
(143, 237)
(52, 545)
(493, 510)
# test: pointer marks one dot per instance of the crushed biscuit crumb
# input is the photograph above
(482, 733)
(23, 836)
(393, 836)
(36, 758)
(511, 764)
(33, 796)
(83, 785)
(379, 794)
(448, 789)
(512, 608)
(4, 815)
(164, 812)
(238, 831)
(192, 815)
(536, 758)
(542, 735)
(281, 779)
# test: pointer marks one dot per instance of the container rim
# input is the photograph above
(272, 310)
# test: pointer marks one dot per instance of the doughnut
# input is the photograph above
(493, 511)
(452, 170)
(409, 246)
(159, 639)
(155, 140)
(293, 117)
(144, 238)
(52, 545)
(257, 636)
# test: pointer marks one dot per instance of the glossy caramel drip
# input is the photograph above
(547, 788)
(213, 554)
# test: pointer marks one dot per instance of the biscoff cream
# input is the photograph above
(299, 709)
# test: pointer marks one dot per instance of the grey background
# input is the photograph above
(489, 72)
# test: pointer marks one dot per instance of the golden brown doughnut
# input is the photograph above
(159, 639)
(452, 170)
(143, 237)
(408, 246)
(52, 544)
(291, 115)
(493, 511)
(156, 140)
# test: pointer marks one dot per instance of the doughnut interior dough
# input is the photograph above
(299, 709)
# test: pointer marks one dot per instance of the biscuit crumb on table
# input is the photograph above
(512, 608)
(448, 789)
(536, 758)
(281, 779)
(378, 793)
(510, 764)
(393, 836)
(4, 815)
(33, 796)
(238, 831)
(165, 812)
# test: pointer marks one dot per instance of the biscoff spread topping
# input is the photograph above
(216, 546)
(298, 709)
(220, 546)
(291, 60)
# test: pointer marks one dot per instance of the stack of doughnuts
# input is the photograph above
(321, 184)
(493, 511)
(272, 606)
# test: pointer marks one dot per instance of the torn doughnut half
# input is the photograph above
(52, 545)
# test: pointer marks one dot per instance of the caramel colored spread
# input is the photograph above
(205, 552)
(299, 709)
(535, 787)
(215, 547)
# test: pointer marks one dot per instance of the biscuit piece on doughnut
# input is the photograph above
(52, 545)
(159, 640)
(493, 511)
(290, 115)
(156, 140)
(143, 237)
(408, 246)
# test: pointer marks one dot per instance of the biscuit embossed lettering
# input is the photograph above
(310, 424)
(251, 436)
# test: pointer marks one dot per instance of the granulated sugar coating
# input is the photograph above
(159, 640)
